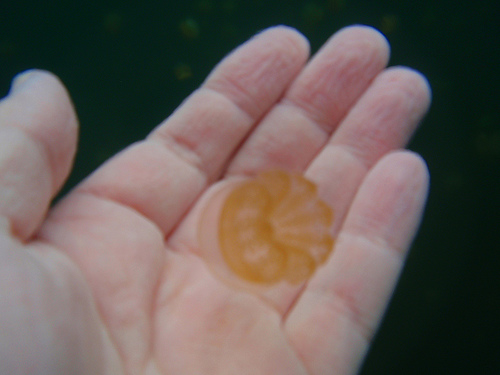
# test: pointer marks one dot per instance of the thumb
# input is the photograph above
(38, 132)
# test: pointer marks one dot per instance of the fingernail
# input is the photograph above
(20, 79)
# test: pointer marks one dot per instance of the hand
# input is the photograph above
(106, 282)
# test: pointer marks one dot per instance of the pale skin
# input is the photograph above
(108, 280)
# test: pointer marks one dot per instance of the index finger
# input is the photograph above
(162, 176)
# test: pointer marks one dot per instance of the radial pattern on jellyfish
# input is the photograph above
(275, 228)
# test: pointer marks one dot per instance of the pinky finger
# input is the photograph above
(343, 304)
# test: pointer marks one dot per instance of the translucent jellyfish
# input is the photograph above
(270, 229)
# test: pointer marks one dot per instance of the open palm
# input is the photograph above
(108, 282)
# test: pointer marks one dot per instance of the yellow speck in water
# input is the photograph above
(389, 24)
(182, 71)
(189, 28)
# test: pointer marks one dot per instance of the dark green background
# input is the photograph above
(119, 60)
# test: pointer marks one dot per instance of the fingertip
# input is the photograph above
(30, 77)
(296, 39)
(406, 173)
(40, 105)
(421, 171)
(411, 165)
(372, 38)
(416, 83)
(20, 79)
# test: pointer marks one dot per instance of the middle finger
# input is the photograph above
(294, 131)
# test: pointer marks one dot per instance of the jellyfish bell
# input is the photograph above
(266, 232)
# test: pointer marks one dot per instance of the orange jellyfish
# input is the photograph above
(270, 229)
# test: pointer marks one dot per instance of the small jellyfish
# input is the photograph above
(272, 228)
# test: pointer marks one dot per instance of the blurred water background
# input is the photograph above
(129, 64)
